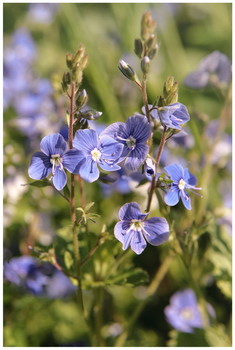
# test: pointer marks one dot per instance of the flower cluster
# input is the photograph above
(39, 278)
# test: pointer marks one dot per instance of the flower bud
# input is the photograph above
(153, 52)
(148, 26)
(138, 47)
(145, 64)
(69, 60)
(150, 42)
(78, 55)
(90, 114)
(81, 98)
(149, 167)
(66, 80)
(126, 70)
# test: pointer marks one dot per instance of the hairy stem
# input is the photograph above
(153, 183)
(72, 203)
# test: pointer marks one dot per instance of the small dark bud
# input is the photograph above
(145, 64)
(153, 52)
(66, 81)
(138, 47)
(81, 98)
(69, 60)
(151, 41)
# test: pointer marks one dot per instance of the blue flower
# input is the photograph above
(38, 278)
(182, 180)
(103, 151)
(54, 158)
(133, 135)
(42, 13)
(172, 116)
(214, 68)
(134, 228)
(183, 313)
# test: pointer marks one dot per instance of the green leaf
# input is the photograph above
(217, 337)
(66, 191)
(88, 206)
(133, 277)
(68, 260)
(38, 183)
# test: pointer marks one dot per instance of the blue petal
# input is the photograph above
(53, 144)
(108, 167)
(156, 230)
(136, 157)
(138, 243)
(120, 230)
(116, 129)
(172, 197)
(186, 200)
(197, 79)
(89, 170)
(175, 171)
(138, 127)
(129, 211)
(72, 160)
(189, 178)
(182, 113)
(110, 149)
(85, 140)
(184, 298)
(173, 317)
(59, 179)
(164, 113)
(40, 166)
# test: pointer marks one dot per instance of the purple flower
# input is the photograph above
(38, 278)
(135, 229)
(172, 116)
(183, 313)
(103, 151)
(182, 180)
(214, 68)
(133, 135)
(54, 158)
(42, 13)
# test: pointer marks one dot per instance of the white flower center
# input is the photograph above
(181, 184)
(187, 313)
(131, 142)
(56, 160)
(136, 225)
(96, 154)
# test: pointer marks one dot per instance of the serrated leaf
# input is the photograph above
(217, 337)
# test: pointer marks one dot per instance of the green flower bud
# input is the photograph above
(145, 64)
(138, 47)
(69, 60)
(90, 114)
(78, 55)
(150, 42)
(148, 25)
(66, 81)
(83, 63)
(126, 70)
(153, 52)
(81, 98)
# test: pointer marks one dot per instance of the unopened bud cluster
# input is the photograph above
(146, 47)
(170, 92)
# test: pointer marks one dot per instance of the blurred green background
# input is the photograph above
(186, 33)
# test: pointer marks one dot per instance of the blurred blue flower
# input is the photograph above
(183, 313)
(54, 158)
(172, 116)
(213, 69)
(133, 135)
(38, 278)
(42, 12)
(103, 151)
(134, 228)
(182, 180)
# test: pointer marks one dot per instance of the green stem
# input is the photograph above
(153, 183)
(151, 290)
(72, 202)
(99, 316)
